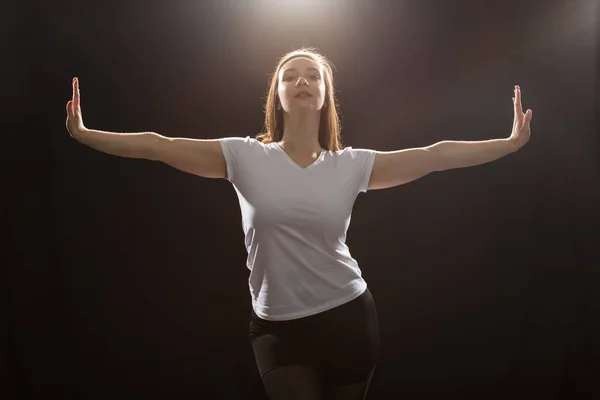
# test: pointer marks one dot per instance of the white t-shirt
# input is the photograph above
(295, 221)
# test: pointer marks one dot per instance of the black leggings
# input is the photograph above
(340, 345)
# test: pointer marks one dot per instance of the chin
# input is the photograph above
(306, 109)
(305, 106)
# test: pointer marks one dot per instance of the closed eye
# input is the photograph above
(288, 78)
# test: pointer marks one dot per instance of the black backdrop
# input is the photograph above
(128, 277)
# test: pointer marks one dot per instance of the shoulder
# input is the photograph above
(246, 149)
(238, 143)
(243, 153)
(351, 154)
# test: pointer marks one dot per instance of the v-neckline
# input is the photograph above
(293, 163)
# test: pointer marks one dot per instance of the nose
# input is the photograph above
(302, 81)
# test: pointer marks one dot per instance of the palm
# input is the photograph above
(74, 120)
(521, 125)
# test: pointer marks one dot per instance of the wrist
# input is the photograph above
(512, 144)
(79, 133)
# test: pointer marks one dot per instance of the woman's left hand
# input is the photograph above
(521, 125)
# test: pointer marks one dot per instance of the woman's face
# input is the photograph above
(301, 85)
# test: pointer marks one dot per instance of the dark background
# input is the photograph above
(128, 277)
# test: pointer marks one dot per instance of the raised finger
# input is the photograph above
(76, 94)
(518, 106)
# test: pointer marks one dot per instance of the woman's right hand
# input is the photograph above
(74, 120)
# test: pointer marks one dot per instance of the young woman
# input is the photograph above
(314, 326)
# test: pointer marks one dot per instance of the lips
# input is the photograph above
(304, 93)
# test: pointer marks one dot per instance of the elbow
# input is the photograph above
(436, 160)
(157, 146)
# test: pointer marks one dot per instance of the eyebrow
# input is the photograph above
(294, 69)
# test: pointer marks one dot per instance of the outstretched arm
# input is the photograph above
(202, 157)
(395, 168)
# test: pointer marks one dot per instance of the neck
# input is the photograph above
(301, 132)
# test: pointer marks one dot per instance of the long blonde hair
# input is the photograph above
(329, 126)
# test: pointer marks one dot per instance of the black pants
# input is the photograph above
(341, 344)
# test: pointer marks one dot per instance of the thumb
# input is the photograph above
(528, 115)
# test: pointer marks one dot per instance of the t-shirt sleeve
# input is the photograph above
(360, 164)
(237, 152)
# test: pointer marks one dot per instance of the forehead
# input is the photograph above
(300, 64)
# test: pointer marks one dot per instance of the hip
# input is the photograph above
(357, 315)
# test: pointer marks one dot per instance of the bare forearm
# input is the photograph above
(131, 145)
(454, 154)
